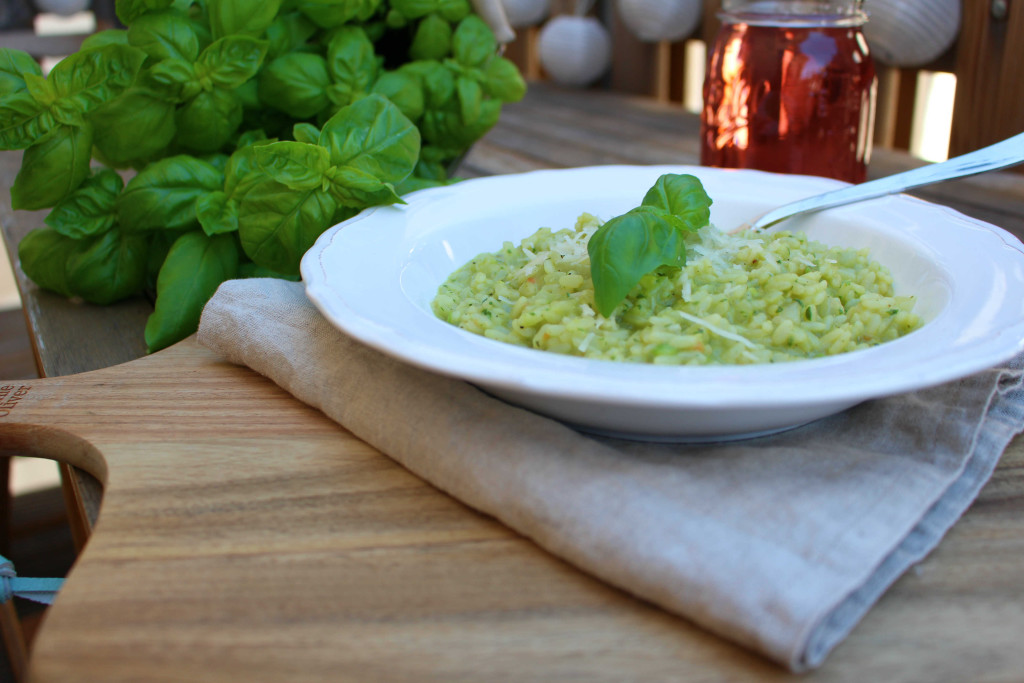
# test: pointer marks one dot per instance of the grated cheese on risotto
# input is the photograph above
(744, 298)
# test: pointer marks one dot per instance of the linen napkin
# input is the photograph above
(778, 543)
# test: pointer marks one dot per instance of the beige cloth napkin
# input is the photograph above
(779, 543)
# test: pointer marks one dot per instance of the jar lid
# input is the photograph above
(794, 12)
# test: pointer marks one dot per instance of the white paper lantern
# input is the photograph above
(911, 33)
(523, 13)
(657, 20)
(574, 50)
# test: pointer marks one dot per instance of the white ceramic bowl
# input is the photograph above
(374, 276)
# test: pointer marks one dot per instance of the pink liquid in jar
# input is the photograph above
(791, 95)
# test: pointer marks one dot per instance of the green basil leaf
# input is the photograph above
(358, 189)
(431, 165)
(376, 30)
(253, 111)
(306, 132)
(277, 224)
(334, 13)
(343, 213)
(168, 34)
(352, 63)
(217, 213)
(628, 247)
(163, 195)
(14, 64)
(438, 82)
(295, 83)
(447, 128)
(45, 93)
(200, 23)
(43, 254)
(395, 19)
(195, 267)
(404, 90)
(159, 244)
(110, 268)
(414, 183)
(432, 39)
(414, 9)
(297, 165)
(207, 122)
(454, 10)
(174, 80)
(473, 42)
(439, 125)
(242, 170)
(133, 129)
(231, 17)
(229, 62)
(490, 111)
(87, 79)
(289, 32)
(51, 169)
(218, 160)
(100, 39)
(503, 80)
(251, 137)
(89, 210)
(130, 10)
(471, 97)
(682, 196)
(24, 121)
(372, 135)
(432, 170)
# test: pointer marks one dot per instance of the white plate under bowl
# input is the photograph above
(375, 275)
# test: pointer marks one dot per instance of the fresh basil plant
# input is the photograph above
(213, 139)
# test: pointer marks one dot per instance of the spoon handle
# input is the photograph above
(1000, 155)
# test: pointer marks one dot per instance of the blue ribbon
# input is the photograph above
(12, 585)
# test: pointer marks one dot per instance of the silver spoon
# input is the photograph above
(1003, 154)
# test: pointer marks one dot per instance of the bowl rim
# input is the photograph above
(893, 367)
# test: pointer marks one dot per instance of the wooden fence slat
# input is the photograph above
(989, 101)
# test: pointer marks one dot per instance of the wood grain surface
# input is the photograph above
(245, 537)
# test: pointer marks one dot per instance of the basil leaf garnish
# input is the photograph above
(630, 246)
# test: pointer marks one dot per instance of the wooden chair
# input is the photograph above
(14, 644)
(11, 629)
(10, 626)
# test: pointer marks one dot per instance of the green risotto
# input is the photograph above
(745, 298)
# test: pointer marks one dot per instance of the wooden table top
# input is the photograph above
(333, 563)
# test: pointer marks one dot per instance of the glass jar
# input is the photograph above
(791, 88)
